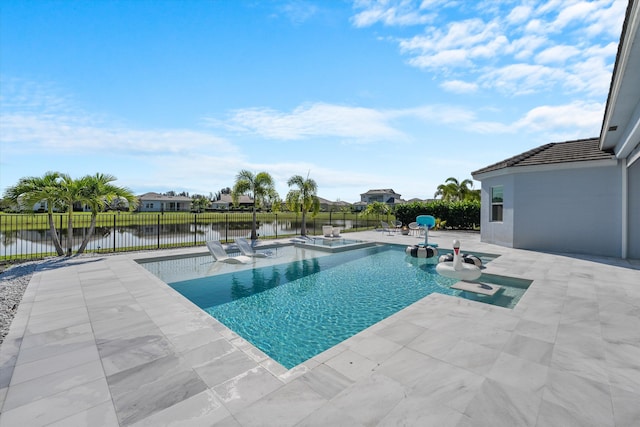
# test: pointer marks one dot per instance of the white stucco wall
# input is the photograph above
(500, 233)
(574, 210)
(569, 210)
(633, 240)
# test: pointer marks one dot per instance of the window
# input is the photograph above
(496, 204)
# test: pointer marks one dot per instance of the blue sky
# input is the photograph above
(182, 95)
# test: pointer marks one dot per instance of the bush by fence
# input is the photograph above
(459, 215)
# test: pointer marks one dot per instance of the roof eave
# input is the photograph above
(545, 168)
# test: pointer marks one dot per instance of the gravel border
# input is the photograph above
(13, 283)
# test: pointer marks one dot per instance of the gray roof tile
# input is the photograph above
(556, 152)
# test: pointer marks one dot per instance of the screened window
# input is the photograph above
(496, 203)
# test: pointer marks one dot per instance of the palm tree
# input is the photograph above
(70, 192)
(31, 190)
(259, 187)
(452, 190)
(97, 192)
(303, 199)
(376, 208)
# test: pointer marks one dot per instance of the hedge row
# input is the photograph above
(458, 215)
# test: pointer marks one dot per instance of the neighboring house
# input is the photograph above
(359, 206)
(154, 202)
(226, 202)
(577, 196)
(387, 196)
(328, 205)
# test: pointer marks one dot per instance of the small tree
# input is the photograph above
(97, 192)
(303, 199)
(31, 190)
(377, 209)
(456, 191)
(259, 187)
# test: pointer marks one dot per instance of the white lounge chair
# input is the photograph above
(385, 227)
(335, 232)
(327, 231)
(247, 250)
(219, 254)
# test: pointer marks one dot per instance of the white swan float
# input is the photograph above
(456, 269)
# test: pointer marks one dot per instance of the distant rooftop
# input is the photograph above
(556, 152)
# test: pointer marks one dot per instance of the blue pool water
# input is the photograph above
(294, 310)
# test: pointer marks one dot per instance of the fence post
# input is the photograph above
(276, 231)
(226, 228)
(158, 231)
(114, 232)
(195, 229)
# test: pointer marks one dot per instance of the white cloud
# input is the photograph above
(543, 43)
(459, 86)
(298, 11)
(314, 120)
(26, 131)
(36, 117)
(519, 79)
(581, 118)
(519, 14)
(574, 12)
(556, 54)
(390, 13)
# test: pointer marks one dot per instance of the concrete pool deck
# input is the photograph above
(100, 341)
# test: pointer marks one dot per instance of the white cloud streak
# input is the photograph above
(559, 39)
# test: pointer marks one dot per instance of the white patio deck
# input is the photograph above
(99, 341)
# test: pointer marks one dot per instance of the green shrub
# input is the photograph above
(458, 215)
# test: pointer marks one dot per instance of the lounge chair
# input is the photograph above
(335, 232)
(327, 230)
(219, 254)
(247, 250)
(302, 239)
(386, 227)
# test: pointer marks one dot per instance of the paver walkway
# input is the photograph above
(99, 341)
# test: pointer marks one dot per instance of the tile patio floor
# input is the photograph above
(99, 341)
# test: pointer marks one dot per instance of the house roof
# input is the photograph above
(620, 130)
(330, 203)
(380, 191)
(556, 152)
(226, 198)
(161, 197)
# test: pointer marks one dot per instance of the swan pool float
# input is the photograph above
(456, 269)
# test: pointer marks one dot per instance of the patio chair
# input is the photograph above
(415, 229)
(386, 227)
(327, 230)
(248, 250)
(219, 254)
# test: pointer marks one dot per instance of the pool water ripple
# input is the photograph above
(295, 311)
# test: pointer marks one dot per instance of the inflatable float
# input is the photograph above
(422, 251)
(465, 258)
(456, 269)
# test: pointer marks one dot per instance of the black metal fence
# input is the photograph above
(29, 236)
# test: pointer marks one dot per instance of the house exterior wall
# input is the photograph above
(633, 239)
(163, 206)
(569, 210)
(499, 233)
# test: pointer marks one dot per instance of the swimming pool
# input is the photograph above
(310, 301)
